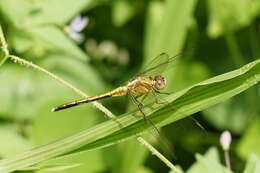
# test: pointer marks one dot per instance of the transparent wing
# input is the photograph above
(159, 64)
(156, 65)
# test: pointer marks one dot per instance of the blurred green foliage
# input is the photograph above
(121, 36)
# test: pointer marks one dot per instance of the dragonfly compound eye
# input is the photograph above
(160, 82)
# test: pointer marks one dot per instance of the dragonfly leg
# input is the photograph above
(141, 110)
(137, 101)
(142, 99)
(156, 99)
(140, 106)
(159, 92)
(147, 120)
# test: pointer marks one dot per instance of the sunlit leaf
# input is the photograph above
(209, 163)
(253, 164)
(250, 141)
(122, 12)
(43, 12)
(226, 16)
(11, 141)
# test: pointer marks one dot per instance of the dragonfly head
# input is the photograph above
(159, 82)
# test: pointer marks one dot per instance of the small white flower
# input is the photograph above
(79, 23)
(225, 140)
(76, 26)
(78, 37)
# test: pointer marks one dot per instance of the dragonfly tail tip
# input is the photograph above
(53, 109)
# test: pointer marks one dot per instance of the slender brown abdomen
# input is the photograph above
(116, 92)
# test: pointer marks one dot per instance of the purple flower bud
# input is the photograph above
(225, 140)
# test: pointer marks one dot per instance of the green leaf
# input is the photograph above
(43, 12)
(180, 105)
(126, 152)
(167, 26)
(86, 162)
(225, 16)
(16, 88)
(54, 167)
(9, 133)
(50, 40)
(231, 114)
(144, 170)
(21, 10)
(122, 11)
(54, 11)
(253, 164)
(210, 163)
(249, 143)
(36, 26)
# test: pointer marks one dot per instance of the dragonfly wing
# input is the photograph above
(159, 64)
(155, 66)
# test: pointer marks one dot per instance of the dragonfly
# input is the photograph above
(149, 81)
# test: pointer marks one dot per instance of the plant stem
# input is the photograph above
(3, 46)
(158, 154)
(227, 159)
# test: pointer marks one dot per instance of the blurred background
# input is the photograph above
(96, 45)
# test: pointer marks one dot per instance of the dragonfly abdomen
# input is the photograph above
(116, 92)
(79, 102)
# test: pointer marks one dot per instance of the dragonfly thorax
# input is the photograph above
(159, 82)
